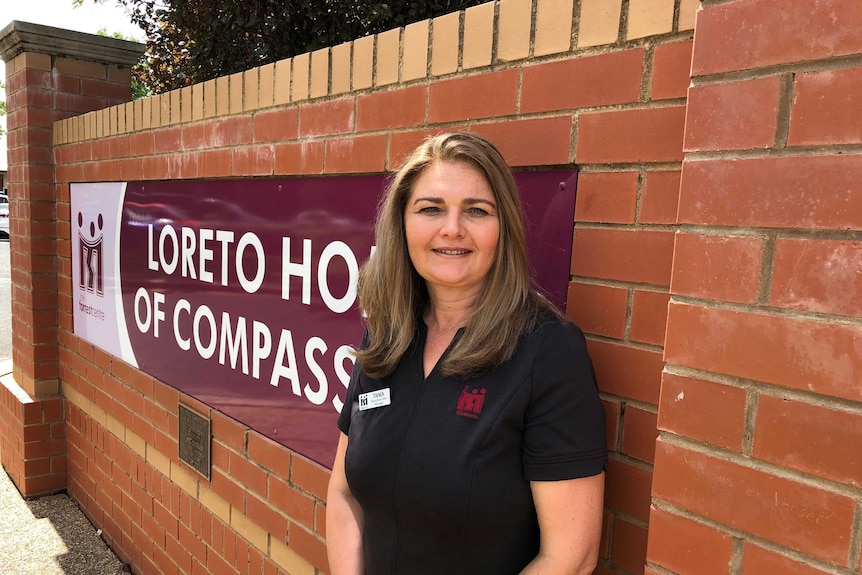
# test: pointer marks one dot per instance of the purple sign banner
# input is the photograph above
(242, 293)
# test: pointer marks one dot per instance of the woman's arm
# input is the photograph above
(343, 521)
(570, 525)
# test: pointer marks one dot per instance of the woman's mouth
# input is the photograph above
(450, 252)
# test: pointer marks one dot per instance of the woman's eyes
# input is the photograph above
(473, 211)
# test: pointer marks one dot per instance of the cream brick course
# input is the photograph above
(105, 123)
(70, 393)
(513, 29)
(649, 18)
(186, 104)
(209, 89)
(445, 31)
(136, 443)
(320, 73)
(687, 14)
(265, 92)
(599, 22)
(113, 121)
(123, 119)
(289, 560)
(281, 82)
(414, 61)
(186, 481)
(251, 89)
(129, 110)
(222, 96)
(174, 107)
(341, 68)
(363, 62)
(299, 86)
(98, 414)
(155, 110)
(553, 27)
(218, 506)
(388, 47)
(478, 36)
(139, 114)
(164, 109)
(146, 113)
(245, 527)
(171, 113)
(160, 111)
(158, 460)
(117, 428)
(235, 93)
(198, 102)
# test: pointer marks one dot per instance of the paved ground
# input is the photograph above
(49, 535)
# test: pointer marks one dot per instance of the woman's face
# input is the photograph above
(452, 226)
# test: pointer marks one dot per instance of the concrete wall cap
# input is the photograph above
(19, 37)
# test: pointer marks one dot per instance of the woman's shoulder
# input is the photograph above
(551, 327)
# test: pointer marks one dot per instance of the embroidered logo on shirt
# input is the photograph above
(470, 403)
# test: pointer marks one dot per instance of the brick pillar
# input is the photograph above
(758, 466)
(51, 74)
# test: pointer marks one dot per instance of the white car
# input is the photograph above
(4, 216)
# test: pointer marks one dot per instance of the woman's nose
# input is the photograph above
(452, 225)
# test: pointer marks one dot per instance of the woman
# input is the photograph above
(472, 437)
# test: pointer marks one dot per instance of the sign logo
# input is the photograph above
(470, 403)
(91, 256)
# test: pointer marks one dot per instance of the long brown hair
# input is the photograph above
(394, 296)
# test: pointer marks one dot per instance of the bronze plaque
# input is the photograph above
(195, 439)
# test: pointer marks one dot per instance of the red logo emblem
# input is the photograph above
(470, 403)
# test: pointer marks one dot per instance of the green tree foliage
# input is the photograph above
(190, 41)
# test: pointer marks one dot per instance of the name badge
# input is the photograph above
(374, 399)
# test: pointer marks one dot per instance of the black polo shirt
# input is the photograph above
(443, 472)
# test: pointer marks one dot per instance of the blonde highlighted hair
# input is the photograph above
(394, 297)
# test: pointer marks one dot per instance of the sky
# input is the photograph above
(60, 13)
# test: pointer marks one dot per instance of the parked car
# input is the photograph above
(4, 216)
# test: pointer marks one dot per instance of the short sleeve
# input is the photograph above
(564, 435)
(351, 403)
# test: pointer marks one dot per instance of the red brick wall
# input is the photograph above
(736, 202)
(619, 119)
(32, 440)
(40, 90)
(759, 463)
